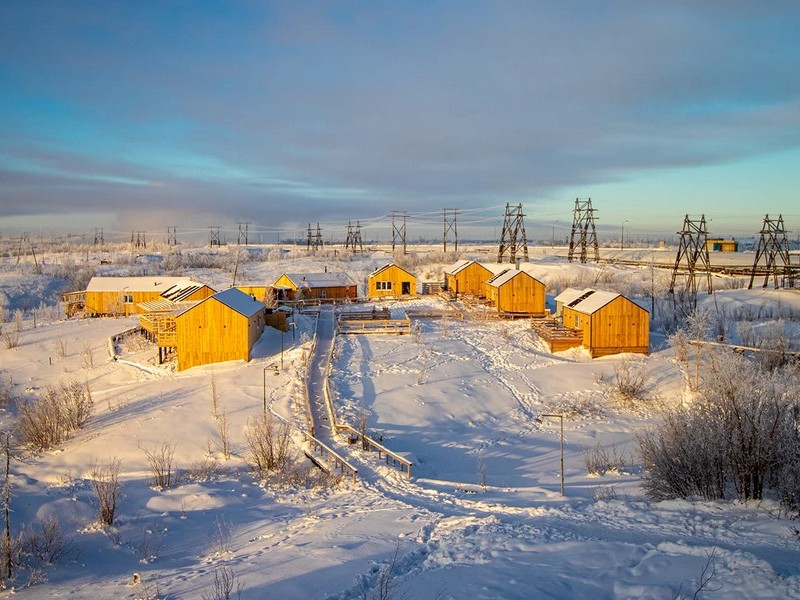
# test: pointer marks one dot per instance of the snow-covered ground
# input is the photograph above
(483, 516)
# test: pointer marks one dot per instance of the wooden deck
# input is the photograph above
(557, 337)
(393, 326)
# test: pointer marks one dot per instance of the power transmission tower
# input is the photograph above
(98, 236)
(317, 243)
(772, 245)
(172, 236)
(348, 241)
(213, 237)
(450, 224)
(693, 249)
(357, 245)
(308, 239)
(513, 236)
(583, 228)
(139, 240)
(399, 231)
(242, 239)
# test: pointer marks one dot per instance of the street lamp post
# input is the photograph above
(561, 419)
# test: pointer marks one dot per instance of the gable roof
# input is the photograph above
(136, 284)
(461, 265)
(234, 299)
(320, 280)
(507, 275)
(568, 295)
(380, 270)
(181, 291)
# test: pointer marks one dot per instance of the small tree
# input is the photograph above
(107, 489)
(267, 443)
(160, 460)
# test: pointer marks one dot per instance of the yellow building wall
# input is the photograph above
(113, 303)
(619, 326)
(522, 294)
(469, 281)
(259, 292)
(212, 332)
(395, 276)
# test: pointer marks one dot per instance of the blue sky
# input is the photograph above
(138, 115)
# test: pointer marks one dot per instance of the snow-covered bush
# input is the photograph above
(740, 435)
(107, 489)
(267, 444)
(160, 460)
(631, 382)
(47, 421)
(599, 460)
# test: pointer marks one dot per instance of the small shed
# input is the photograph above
(113, 296)
(516, 292)
(721, 245)
(315, 286)
(610, 322)
(466, 277)
(391, 280)
(222, 327)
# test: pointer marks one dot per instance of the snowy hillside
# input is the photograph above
(464, 400)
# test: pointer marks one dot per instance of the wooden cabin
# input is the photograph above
(610, 322)
(115, 296)
(315, 286)
(259, 292)
(515, 292)
(466, 277)
(222, 327)
(391, 281)
(565, 297)
(721, 245)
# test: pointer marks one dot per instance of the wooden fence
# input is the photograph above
(395, 326)
(326, 453)
(434, 314)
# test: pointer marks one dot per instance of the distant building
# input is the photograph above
(391, 281)
(516, 292)
(315, 286)
(720, 245)
(466, 277)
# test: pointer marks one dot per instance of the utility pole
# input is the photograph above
(172, 235)
(399, 231)
(584, 232)
(513, 236)
(450, 224)
(213, 237)
(242, 238)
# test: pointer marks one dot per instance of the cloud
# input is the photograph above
(290, 112)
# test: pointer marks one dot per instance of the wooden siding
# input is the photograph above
(295, 293)
(113, 303)
(619, 326)
(212, 332)
(392, 278)
(522, 294)
(469, 280)
(259, 292)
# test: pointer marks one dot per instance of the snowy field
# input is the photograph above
(483, 516)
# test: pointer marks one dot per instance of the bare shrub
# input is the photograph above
(308, 478)
(631, 382)
(599, 460)
(6, 389)
(44, 540)
(61, 347)
(19, 318)
(605, 493)
(9, 338)
(213, 393)
(87, 355)
(386, 586)
(148, 546)
(226, 585)
(223, 443)
(740, 435)
(107, 489)
(267, 443)
(221, 536)
(202, 470)
(160, 461)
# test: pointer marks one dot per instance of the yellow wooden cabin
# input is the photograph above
(610, 322)
(515, 292)
(222, 327)
(391, 281)
(467, 277)
(315, 286)
(259, 292)
(115, 296)
(721, 245)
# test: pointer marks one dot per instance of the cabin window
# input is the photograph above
(383, 285)
(128, 298)
(577, 321)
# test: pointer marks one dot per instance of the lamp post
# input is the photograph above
(561, 419)
(622, 235)
(265, 391)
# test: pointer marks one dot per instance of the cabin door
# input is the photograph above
(406, 288)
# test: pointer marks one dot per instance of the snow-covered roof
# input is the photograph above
(164, 306)
(570, 295)
(136, 284)
(460, 266)
(239, 301)
(590, 301)
(380, 270)
(321, 280)
(505, 276)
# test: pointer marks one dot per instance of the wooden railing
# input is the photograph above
(330, 455)
(398, 326)
(434, 314)
(370, 445)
